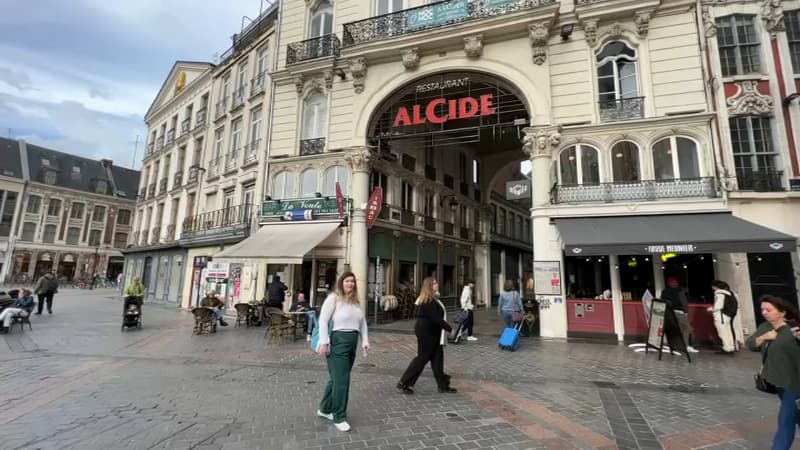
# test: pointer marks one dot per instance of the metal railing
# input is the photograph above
(170, 136)
(312, 146)
(162, 185)
(170, 236)
(760, 180)
(186, 125)
(237, 98)
(318, 47)
(135, 238)
(251, 151)
(159, 143)
(222, 108)
(142, 193)
(213, 167)
(193, 175)
(151, 147)
(221, 218)
(232, 160)
(177, 180)
(155, 234)
(257, 83)
(431, 16)
(648, 190)
(151, 190)
(621, 109)
(200, 118)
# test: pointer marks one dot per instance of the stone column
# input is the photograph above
(359, 159)
(616, 297)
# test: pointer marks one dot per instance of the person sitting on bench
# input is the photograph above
(22, 306)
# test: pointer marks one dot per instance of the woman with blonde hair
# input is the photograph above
(341, 320)
(431, 328)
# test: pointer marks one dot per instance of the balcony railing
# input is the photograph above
(407, 217)
(159, 143)
(222, 108)
(232, 160)
(257, 83)
(151, 147)
(431, 16)
(213, 167)
(171, 136)
(142, 193)
(251, 151)
(186, 125)
(239, 215)
(237, 98)
(312, 146)
(318, 47)
(760, 181)
(200, 118)
(151, 190)
(162, 185)
(636, 191)
(621, 109)
(177, 180)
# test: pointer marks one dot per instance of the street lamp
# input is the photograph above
(94, 269)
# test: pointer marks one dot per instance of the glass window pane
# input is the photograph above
(590, 166)
(628, 83)
(739, 136)
(569, 166)
(308, 183)
(662, 160)
(762, 135)
(688, 164)
(750, 58)
(625, 161)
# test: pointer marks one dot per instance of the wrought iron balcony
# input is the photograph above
(430, 224)
(407, 217)
(200, 118)
(257, 83)
(186, 125)
(232, 160)
(151, 147)
(162, 185)
(237, 98)
(431, 16)
(464, 233)
(235, 216)
(151, 190)
(159, 143)
(312, 146)
(760, 180)
(318, 47)
(251, 152)
(177, 180)
(448, 228)
(222, 108)
(621, 109)
(171, 136)
(648, 190)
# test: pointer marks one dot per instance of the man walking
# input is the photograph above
(680, 305)
(469, 306)
(46, 287)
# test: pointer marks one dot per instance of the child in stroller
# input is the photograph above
(131, 313)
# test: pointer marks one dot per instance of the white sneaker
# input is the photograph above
(325, 416)
(691, 349)
(342, 426)
(472, 338)
(308, 338)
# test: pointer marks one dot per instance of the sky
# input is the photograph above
(79, 75)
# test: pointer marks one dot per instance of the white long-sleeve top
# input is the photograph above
(346, 317)
(719, 303)
(466, 299)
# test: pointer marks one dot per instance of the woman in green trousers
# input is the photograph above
(341, 320)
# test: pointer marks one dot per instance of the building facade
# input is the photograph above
(73, 215)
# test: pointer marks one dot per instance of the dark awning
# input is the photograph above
(673, 233)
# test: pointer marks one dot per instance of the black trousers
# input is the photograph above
(470, 322)
(48, 297)
(428, 349)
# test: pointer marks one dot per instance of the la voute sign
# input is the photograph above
(441, 110)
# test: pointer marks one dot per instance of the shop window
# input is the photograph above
(28, 231)
(49, 235)
(315, 116)
(332, 175)
(739, 46)
(308, 183)
(73, 235)
(587, 277)
(792, 19)
(625, 161)
(447, 285)
(579, 164)
(617, 76)
(675, 158)
(283, 185)
(321, 20)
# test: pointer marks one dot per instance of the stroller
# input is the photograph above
(461, 327)
(131, 313)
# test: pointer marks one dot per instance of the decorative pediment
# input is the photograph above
(748, 101)
(179, 79)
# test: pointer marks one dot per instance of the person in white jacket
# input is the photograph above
(722, 321)
(469, 306)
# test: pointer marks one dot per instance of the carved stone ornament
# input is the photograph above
(642, 21)
(541, 141)
(358, 68)
(360, 160)
(590, 31)
(748, 101)
(772, 16)
(299, 83)
(709, 26)
(410, 58)
(616, 30)
(473, 45)
(538, 34)
(328, 79)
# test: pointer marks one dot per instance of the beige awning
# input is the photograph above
(280, 243)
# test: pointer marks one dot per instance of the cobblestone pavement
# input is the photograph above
(77, 382)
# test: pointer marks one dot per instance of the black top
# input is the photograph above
(782, 365)
(676, 298)
(430, 320)
(276, 290)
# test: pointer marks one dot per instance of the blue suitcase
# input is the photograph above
(509, 340)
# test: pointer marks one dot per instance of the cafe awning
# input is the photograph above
(280, 243)
(673, 233)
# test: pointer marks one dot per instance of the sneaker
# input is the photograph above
(328, 416)
(691, 349)
(223, 323)
(472, 338)
(308, 338)
(342, 426)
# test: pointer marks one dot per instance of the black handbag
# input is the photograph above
(761, 383)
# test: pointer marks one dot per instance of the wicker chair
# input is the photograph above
(21, 320)
(242, 314)
(280, 327)
(203, 321)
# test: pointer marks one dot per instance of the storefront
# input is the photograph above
(161, 271)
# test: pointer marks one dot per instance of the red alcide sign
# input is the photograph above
(462, 108)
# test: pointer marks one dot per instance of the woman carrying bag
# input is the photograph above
(341, 320)
(780, 372)
(509, 304)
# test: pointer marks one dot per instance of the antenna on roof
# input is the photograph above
(135, 148)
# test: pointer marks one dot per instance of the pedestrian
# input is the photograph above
(724, 310)
(22, 306)
(780, 353)
(431, 329)
(135, 290)
(674, 295)
(509, 304)
(276, 293)
(469, 306)
(46, 288)
(341, 321)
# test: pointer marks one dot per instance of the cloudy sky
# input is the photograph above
(78, 75)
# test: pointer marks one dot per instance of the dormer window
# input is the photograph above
(50, 177)
(76, 169)
(45, 162)
(101, 187)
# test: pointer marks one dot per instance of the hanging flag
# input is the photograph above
(339, 200)
(374, 206)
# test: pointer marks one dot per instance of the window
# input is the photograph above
(753, 153)
(792, 19)
(76, 169)
(99, 213)
(28, 231)
(493, 224)
(73, 235)
(429, 207)
(322, 20)
(54, 207)
(120, 240)
(675, 158)
(236, 135)
(617, 72)
(388, 6)
(94, 238)
(379, 179)
(76, 212)
(50, 177)
(8, 206)
(219, 139)
(625, 161)
(579, 164)
(242, 79)
(332, 175)
(49, 235)
(407, 196)
(315, 116)
(308, 183)
(45, 162)
(476, 172)
(738, 45)
(283, 185)
(255, 126)
(34, 204)
(262, 61)
(124, 217)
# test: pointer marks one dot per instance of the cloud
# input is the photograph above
(16, 79)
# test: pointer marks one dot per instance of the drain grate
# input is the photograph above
(687, 389)
(366, 365)
(605, 384)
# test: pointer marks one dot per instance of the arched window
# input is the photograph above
(308, 183)
(675, 158)
(322, 20)
(617, 72)
(625, 161)
(332, 175)
(315, 116)
(283, 185)
(49, 235)
(28, 231)
(578, 164)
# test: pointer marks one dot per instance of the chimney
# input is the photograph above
(107, 163)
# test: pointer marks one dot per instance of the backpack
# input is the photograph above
(50, 284)
(731, 306)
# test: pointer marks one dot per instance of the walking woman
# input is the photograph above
(508, 303)
(431, 328)
(780, 352)
(338, 345)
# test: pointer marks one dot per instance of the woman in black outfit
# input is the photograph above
(430, 329)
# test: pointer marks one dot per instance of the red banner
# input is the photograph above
(339, 200)
(374, 206)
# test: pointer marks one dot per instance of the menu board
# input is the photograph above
(656, 327)
(547, 277)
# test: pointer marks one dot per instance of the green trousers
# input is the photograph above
(341, 357)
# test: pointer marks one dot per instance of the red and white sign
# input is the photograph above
(374, 206)
(462, 108)
(339, 200)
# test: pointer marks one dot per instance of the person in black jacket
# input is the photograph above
(430, 329)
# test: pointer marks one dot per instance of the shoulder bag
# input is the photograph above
(315, 333)
(761, 383)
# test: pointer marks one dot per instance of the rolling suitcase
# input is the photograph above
(509, 340)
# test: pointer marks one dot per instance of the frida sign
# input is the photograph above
(441, 110)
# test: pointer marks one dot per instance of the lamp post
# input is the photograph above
(94, 269)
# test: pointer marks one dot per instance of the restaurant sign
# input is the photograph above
(302, 209)
(441, 110)
(670, 248)
(438, 14)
